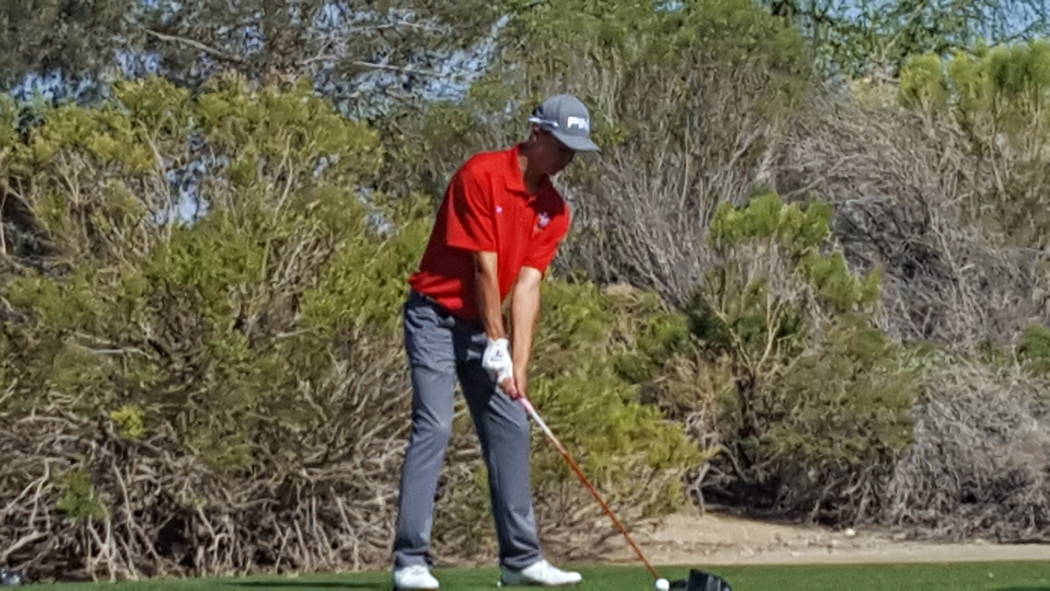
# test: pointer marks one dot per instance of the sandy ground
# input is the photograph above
(720, 538)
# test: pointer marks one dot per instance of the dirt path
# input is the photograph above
(719, 538)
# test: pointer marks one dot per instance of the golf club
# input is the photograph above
(660, 583)
(698, 580)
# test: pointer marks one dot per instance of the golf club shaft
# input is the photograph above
(579, 473)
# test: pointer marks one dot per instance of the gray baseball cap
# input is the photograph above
(566, 117)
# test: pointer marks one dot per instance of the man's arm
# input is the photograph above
(496, 359)
(525, 309)
(486, 288)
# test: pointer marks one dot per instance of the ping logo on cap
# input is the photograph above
(580, 123)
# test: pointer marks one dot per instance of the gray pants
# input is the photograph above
(441, 348)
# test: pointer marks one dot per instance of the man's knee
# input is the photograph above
(435, 431)
(513, 430)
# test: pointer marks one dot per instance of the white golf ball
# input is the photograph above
(662, 585)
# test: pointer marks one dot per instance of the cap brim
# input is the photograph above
(576, 143)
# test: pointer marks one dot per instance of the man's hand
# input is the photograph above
(497, 361)
(521, 382)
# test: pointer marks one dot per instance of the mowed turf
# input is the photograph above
(997, 576)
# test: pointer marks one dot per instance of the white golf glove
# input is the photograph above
(496, 360)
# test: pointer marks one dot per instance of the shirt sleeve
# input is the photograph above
(470, 221)
(545, 246)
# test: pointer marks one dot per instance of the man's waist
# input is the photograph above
(473, 320)
(442, 306)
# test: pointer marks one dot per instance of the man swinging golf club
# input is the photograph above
(496, 232)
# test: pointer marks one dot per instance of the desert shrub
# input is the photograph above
(903, 185)
(811, 403)
(996, 95)
(979, 463)
(180, 400)
(842, 419)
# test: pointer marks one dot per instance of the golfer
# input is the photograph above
(496, 232)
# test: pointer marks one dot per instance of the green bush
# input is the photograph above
(586, 337)
(812, 398)
(840, 417)
(997, 97)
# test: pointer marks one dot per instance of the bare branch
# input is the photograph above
(370, 65)
(222, 55)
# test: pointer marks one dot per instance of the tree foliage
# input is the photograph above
(877, 37)
(355, 52)
(77, 36)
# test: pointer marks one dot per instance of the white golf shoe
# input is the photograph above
(542, 573)
(412, 578)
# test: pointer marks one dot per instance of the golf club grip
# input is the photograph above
(527, 404)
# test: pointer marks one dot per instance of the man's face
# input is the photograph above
(552, 155)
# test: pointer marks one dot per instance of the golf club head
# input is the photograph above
(700, 581)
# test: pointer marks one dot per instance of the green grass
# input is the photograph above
(998, 576)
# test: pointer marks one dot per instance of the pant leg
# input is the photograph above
(503, 429)
(431, 354)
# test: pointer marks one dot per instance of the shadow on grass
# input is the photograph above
(310, 585)
(1025, 588)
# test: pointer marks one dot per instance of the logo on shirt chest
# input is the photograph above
(542, 219)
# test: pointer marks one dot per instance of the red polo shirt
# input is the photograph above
(486, 208)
